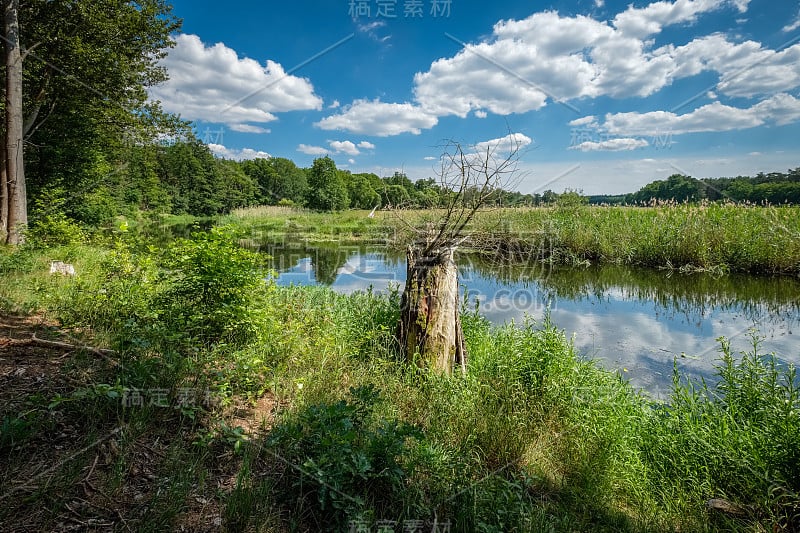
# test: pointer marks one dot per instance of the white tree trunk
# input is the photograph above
(17, 211)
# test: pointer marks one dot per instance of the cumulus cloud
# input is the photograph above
(778, 110)
(649, 20)
(213, 84)
(611, 145)
(549, 57)
(379, 118)
(346, 147)
(237, 154)
(745, 69)
(509, 143)
(366, 145)
(312, 150)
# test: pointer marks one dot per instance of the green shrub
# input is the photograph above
(54, 229)
(341, 463)
(212, 286)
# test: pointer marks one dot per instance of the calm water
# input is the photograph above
(635, 321)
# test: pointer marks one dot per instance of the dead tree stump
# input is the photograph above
(430, 330)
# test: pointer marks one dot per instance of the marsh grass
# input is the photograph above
(716, 238)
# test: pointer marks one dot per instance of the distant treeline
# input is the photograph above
(185, 178)
(773, 188)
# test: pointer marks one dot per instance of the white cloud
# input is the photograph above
(371, 29)
(741, 5)
(526, 64)
(379, 118)
(745, 69)
(236, 153)
(366, 145)
(779, 110)
(649, 20)
(430, 158)
(334, 104)
(588, 120)
(372, 26)
(793, 25)
(312, 150)
(611, 145)
(508, 143)
(248, 128)
(213, 84)
(599, 3)
(351, 161)
(346, 147)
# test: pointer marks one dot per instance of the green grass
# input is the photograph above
(270, 224)
(714, 237)
(532, 438)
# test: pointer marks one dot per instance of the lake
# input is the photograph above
(631, 320)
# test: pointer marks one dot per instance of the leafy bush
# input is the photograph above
(341, 462)
(54, 229)
(212, 286)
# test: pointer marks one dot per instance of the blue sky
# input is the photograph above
(601, 96)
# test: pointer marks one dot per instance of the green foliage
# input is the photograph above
(53, 230)
(13, 431)
(49, 225)
(98, 207)
(211, 287)
(80, 117)
(278, 179)
(677, 187)
(738, 440)
(327, 191)
(360, 192)
(342, 461)
(773, 188)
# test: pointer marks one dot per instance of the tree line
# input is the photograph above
(773, 188)
(185, 178)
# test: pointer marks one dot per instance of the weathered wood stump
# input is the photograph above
(430, 324)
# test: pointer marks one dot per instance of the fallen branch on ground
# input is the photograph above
(59, 344)
(102, 352)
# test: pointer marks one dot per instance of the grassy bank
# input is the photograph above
(717, 238)
(316, 424)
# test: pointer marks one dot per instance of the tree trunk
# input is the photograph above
(15, 170)
(3, 194)
(430, 326)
